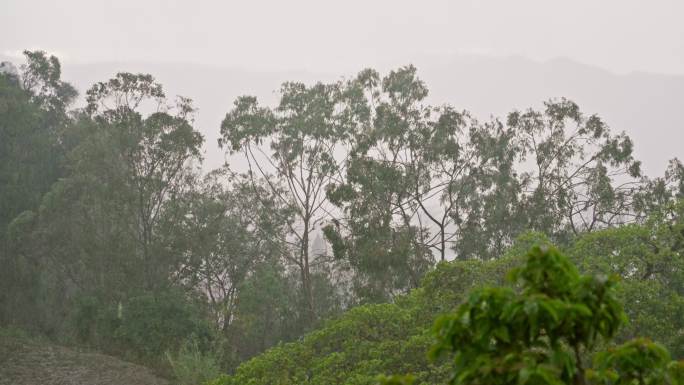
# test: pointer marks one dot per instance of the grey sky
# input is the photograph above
(343, 36)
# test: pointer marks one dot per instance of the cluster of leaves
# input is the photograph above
(535, 336)
(142, 327)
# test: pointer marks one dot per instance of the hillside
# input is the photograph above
(394, 338)
(25, 362)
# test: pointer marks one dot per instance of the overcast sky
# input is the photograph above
(345, 35)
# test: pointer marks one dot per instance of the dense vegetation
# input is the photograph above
(395, 338)
(337, 217)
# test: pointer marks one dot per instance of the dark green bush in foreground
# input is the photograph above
(541, 332)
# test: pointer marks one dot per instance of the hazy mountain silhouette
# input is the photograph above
(647, 106)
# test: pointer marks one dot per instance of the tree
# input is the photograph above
(33, 107)
(304, 134)
(656, 194)
(376, 232)
(582, 177)
(102, 230)
(419, 180)
(41, 77)
(648, 259)
(155, 153)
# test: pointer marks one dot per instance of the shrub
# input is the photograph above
(143, 327)
(538, 334)
(191, 366)
(153, 324)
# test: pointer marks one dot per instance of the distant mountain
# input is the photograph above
(649, 107)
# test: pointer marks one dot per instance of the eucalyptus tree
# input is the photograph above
(375, 232)
(33, 106)
(471, 171)
(295, 149)
(579, 176)
(41, 77)
(155, 154)
(431, 178)
(655, 194)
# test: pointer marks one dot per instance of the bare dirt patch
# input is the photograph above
(32, 363)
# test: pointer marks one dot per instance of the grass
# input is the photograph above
(25, 360)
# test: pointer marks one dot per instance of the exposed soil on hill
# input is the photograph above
(31, 363)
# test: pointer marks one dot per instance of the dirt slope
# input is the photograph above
(31, 363)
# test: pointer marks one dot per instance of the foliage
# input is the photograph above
(535, 336)
(584, 176)
(648, 258)
(310, 361)
(111, 235)
(152, 324)
(373, 339)
(33, 118)
(143, 327)
(191, 366)
(303, 134)
(353, 349)
(639, 361)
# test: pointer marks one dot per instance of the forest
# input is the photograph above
(355, 235)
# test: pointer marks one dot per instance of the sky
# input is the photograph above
(621, 59)
(621, 36)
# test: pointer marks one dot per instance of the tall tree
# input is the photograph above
(579, 176)
(101, 225)
(155, 153)
(378, 232)
(304, 134)
(435, 172)
(655, 194)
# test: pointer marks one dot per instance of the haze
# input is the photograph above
(347, 192)
(618, 35)
(623, 60)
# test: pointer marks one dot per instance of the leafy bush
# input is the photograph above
(192, 366)
(153, 324)
(536, 335)
(143, 327)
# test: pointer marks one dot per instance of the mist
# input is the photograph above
(325, 192)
